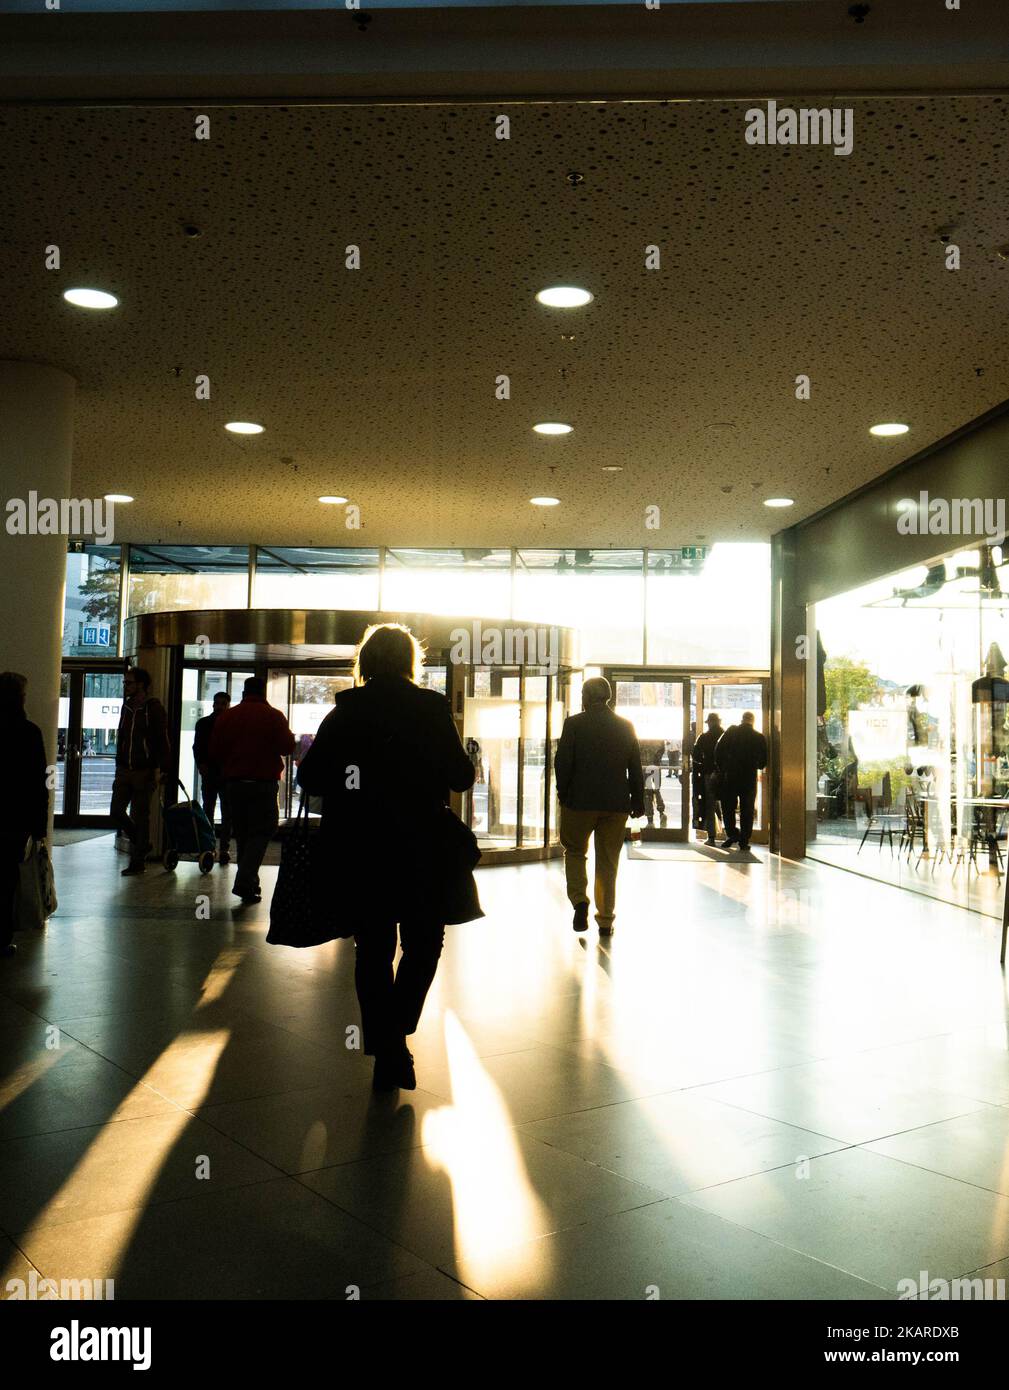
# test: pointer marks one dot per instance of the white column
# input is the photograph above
(36, 451)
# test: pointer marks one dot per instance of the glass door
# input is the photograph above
(199, 686)
(658, 705)
(492, 734)
(89, 709)
(304, 697)
(730, 697)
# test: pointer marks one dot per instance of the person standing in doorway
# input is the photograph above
(143, 755)
(740, 754)
(211, 782)
(599, 781)
(249, 744)
(704, 767)
(24, 809)
(651, 763)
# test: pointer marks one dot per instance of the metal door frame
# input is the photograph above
(655, 675)
(77, 669)
(762, 835)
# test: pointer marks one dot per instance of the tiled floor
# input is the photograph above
(774, 1081)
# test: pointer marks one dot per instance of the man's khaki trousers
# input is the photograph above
(607, 827)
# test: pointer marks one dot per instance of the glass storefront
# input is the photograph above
(709, 607)
(908, 747)
(91, 601)
(89, 709)
(465, 582)
(695, 605)
(511, 724)
(635, 607)
(599, 593)
(164, 577)
(314, 577)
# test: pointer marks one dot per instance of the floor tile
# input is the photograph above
(842, 1099)
(973, 1148)
(325, 1125)
(474, 1190)
(663, 1252)
(78, 1173)
(874, 1217)
(274, 1240)
(680, 1142)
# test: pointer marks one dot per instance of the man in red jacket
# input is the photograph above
(249, 744)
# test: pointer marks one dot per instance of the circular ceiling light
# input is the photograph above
(333, 501)
(564, 297)
(243, 427)
(90, 299)
(779, 502)
(553, 427)
(118, 497)
(887, 430)
(545, 501)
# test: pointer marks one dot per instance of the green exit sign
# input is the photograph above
(693, 552)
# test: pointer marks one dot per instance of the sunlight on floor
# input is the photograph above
(495, 1206)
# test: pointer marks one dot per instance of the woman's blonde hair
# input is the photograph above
(387, 649)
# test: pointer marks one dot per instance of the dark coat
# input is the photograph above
(703, 752)
(598, 763)
(142, 739)
(202, 735)
(384, 761)
(740, 753)
(24, 807)
(250, 741)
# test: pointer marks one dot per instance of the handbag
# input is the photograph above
(35, 897)
(304, 904)
(452, 853)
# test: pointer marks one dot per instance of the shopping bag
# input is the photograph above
(47, 879)
(304, 907)
(30, 911)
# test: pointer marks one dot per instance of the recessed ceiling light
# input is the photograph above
(779, 502)
(118, 497)
(545, 501)
(564, 297)
(90, 299)
(884, 431)
(243, 427)
(333, 501)
(611, 467)
(553, 427)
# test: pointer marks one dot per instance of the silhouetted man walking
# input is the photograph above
(211, 782)
(703, 754)
(599, 780)
(249, 744)
(739, 755)
(143, 755)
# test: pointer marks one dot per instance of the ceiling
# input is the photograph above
(379, 383)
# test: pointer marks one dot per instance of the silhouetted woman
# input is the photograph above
(384, 761)
(24, 806)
